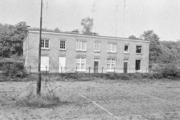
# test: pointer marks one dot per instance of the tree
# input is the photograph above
(57, 30)
(87, 24)
(11, 37)
(155, 50)
(132, 37)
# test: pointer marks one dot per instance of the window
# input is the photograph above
(81, 46)
(126, 49)
(111, 64)
(62, 44)
(81, 64)
(138, 49)
(45, 44)
(111, 47)
(138, 65)
(97, 47)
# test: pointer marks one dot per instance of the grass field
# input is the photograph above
(95, 100)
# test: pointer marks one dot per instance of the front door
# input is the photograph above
(125, 67)
(62, 64)
(96, 66)
(44, 63)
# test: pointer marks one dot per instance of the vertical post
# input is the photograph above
(102, 69)
(61, 69)
(30, 69)
(76, 69)
(146, 70)
(46, 69)
(39, 60)
(89, 70)
(114, 69)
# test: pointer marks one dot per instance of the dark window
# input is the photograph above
(138, 64)
(138, 49)
(126, 48)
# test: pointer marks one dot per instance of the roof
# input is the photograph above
(91, 36)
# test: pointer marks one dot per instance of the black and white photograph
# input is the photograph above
(89, 59)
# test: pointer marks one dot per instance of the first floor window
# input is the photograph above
(111, 64)
(111, 47)
(138, 65)
(138, 49)
(62, 45)
(44, 43)
(81, 45)
(81, 64)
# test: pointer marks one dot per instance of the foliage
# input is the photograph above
(133, 37)
(171, 52)
(57, 30)
(11, 38)
(170, 71)
(87, 24)
(14, 70)
(155, 49)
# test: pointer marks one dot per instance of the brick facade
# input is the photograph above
(31, 43)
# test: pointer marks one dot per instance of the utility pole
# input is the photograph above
(124, 15)
(39, 56)
(116, 19)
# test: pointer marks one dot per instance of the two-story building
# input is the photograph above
(62, 52)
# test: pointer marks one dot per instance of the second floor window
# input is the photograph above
(81, 46)
(138, 49)
(126, 49)
(111, 47)
(62, 45)
(45, 44)
(97, 47)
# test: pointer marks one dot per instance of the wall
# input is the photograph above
(31, 54)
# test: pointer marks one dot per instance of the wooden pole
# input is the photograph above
(39, 60)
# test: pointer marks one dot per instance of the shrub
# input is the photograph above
(14, 70)
(124, 76)
(170, 71)
(136, 75)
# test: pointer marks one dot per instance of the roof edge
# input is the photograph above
(92, 36)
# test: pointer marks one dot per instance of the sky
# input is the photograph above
(110, 17)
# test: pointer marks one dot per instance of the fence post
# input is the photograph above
(76, 69)
(89, 69)
(30, 69)
(114, 69)
(102, 69)
(46, 69)
(61, 69)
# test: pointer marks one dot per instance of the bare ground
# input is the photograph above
(95, 100)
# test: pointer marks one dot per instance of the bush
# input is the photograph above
(170, 71)
(14, 70)
(125, 76)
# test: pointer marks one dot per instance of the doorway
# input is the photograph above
(96, 65)
(62, 64)
(125, 66)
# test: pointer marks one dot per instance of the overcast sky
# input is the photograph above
(162, 16)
